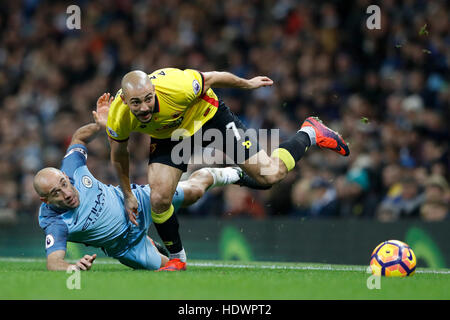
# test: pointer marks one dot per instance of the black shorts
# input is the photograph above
(224, 131)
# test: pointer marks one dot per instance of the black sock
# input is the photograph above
(297, 145)
(168, 232)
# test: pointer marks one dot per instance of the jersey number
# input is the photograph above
(160, 73)
(233, 127)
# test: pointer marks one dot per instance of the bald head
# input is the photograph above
(45, 178)
(138, 93)
(54, 187)
(135, 82)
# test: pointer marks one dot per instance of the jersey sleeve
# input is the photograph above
(76, 156)
(118, 126)
(56, 233)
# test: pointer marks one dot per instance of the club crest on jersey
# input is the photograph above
(87, 181)
(196, 86)
(49, 241)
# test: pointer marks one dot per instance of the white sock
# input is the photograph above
(224, 176)
(311, 133)
(180, 255)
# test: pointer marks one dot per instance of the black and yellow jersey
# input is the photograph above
(180, 103)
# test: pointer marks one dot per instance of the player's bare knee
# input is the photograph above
(160, 200)
(201, 174)
(200, 180)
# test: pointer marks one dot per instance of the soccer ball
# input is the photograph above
(393, 258)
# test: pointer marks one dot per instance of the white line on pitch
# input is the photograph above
(241, 266)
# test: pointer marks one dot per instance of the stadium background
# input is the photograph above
(386, 91)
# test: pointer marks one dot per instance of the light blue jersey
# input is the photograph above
(101, 220)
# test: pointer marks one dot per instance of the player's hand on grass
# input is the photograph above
(131, 206)
(86, 262)
(103, 104)
(258, 82)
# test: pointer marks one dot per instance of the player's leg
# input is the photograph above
(195, 187)
(236, 142)
(269, 170)
(144, 255)
(164, 258)
(177, 262)
(163, 180)
(241, 145)
(264, 169)
(206, 178)
(163, 177)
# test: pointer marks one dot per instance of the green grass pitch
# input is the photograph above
(216, 280)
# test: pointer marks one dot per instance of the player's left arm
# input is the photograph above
(56, 244)
(223, 79)
(85, 134)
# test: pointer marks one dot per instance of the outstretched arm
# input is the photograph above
(218, 79)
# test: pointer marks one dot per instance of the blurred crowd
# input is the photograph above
(385, 90)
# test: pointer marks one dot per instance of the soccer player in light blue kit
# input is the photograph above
(79, 208)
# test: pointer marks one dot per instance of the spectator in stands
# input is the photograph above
(436, 203)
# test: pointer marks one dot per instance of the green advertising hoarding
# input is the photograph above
(293, 240)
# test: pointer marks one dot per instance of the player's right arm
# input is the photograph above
(56, 243)
(222, 79)
(120, 159)
(118, 130)
(56, 262)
